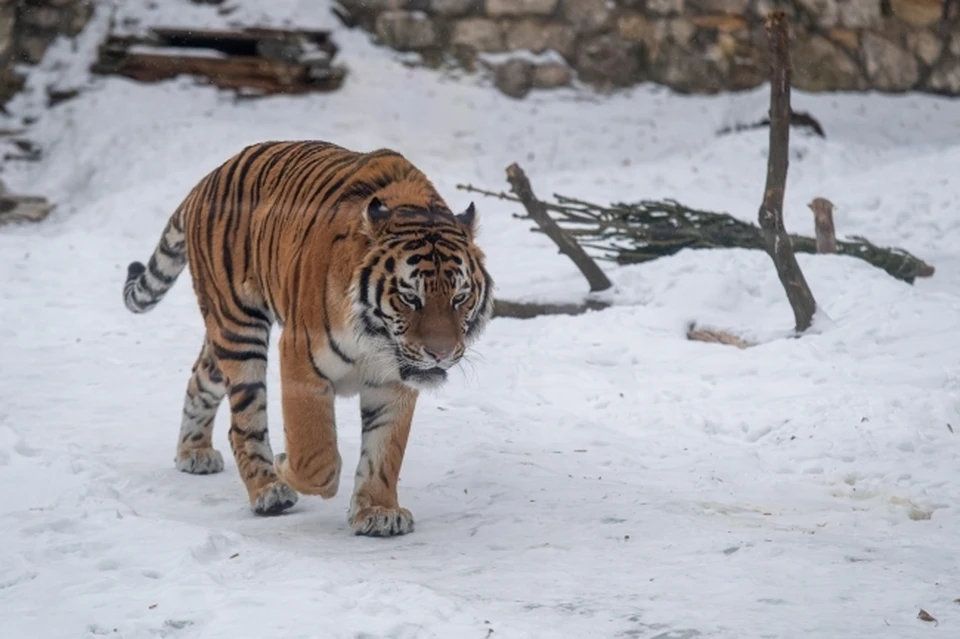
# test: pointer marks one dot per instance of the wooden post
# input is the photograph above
(823, 225)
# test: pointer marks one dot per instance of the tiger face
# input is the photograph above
(423, 292)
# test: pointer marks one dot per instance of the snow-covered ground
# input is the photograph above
(596, 476)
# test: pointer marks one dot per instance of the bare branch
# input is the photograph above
(776, 240)
(568, 246)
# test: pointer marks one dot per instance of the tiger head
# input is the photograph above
(422, 292)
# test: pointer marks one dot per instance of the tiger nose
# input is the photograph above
(439, 350)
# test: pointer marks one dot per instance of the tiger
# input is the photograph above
(378, 289)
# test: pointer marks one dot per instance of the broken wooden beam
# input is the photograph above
(251, 61)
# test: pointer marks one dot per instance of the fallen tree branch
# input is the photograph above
(529, 310)
(770, 216)
(823, 225)
(520, 185)
(650, 229)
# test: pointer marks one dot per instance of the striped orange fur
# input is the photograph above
(378, 289)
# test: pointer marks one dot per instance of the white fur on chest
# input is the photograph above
(354, 363)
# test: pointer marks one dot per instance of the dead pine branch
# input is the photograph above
(776, 240)
(638, 232)
(520, 185)
(823, 227)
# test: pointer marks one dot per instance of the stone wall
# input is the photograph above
(27, 27)
(699, 46)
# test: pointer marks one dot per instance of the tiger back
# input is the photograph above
(379, 290)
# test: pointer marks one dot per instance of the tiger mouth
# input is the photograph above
(423, 375)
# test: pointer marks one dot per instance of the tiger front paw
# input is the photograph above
(381, 521)
(325, 480)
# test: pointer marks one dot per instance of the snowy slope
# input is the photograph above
(597, 476)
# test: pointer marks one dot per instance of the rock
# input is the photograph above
(551, 75)
(919, 13)
(40, 17)
(30, 48)
(859, 13)
(10, 84)
(406, 30)
(676, 30)
(497, 8)
(587, 16)
(515, 77)
(609, 60)
(733, 7)
(633, 27)
(821, 65)
(357, 7)
(955, 46)
(946, 77)
(847, 38)
(665, 7)
(479, 34)
(925, 45)
(75, 18)
(749, 68)
(8, 17)
(538, 36)
(722, 23)
(889, 67)
(685, 71)
(825, 12)
(454, 8)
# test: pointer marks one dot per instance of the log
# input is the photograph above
(529, 310)
(23, 208)
(776, 240)
(716, 336)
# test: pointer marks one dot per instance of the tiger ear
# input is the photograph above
(376, 213)
(468, 218)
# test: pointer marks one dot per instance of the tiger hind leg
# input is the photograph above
(205, 391)
(243, 362)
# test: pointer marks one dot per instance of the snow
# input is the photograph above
(592, 476)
